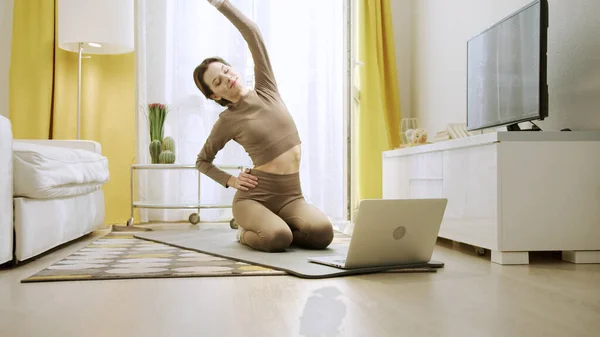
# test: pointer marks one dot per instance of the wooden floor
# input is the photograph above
(470, 297)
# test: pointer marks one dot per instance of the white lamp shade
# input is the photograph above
(108, 23)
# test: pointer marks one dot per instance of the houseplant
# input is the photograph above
(162, 150)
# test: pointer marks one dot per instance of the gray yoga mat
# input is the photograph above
(221, 242)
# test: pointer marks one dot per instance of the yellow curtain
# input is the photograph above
(43, 97)
(31, 70)
(379, 115)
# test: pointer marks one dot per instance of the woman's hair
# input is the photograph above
(199, 78)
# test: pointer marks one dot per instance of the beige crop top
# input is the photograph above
(260, 122)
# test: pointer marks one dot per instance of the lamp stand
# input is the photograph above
(79, 58)
(117, 228)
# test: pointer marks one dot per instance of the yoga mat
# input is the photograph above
(221, 242)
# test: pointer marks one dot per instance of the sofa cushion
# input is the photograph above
(47, 172)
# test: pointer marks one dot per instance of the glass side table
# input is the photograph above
(194, 218)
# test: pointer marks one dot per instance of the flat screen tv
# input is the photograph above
(506, 71)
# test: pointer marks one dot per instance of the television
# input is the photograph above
(507, 71)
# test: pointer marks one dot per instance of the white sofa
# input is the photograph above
(6, 192)
(50, 193)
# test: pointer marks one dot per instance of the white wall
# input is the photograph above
(441, 29)
(402, 21)
(6, 10)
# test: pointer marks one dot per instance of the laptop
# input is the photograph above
(391, 232)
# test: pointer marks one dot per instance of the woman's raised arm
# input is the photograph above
(263, 72)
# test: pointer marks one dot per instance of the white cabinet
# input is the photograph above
(510, 192)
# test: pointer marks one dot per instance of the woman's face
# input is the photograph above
(223, 81)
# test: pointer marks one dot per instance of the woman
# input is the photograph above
(268, 206)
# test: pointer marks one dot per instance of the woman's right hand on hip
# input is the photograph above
(244, 182)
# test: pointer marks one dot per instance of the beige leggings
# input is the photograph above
(274, 215)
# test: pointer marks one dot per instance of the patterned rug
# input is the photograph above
(121, 256)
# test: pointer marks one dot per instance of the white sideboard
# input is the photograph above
(509, 192)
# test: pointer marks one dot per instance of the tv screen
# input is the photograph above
(506, 70)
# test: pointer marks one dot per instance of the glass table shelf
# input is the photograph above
(194, 218)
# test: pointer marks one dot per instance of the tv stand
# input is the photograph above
(516, 127)
(508, 192)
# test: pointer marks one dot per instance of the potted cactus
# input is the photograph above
(167, 154)
(162, 150)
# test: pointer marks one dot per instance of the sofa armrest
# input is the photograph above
(6, 191)
(89, 145)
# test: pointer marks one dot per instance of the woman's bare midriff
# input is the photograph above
(286, 163)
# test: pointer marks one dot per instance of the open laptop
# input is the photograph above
(391, 232)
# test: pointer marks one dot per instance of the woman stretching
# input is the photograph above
(268, 207)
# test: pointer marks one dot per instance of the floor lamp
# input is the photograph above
(95, 27)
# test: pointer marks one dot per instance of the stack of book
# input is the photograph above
(441, 136)
(453, 131)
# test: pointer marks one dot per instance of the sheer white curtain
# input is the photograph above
(305, 42)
